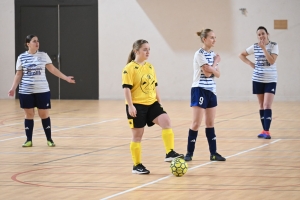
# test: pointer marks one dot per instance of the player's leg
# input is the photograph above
(136, 151)
(259, 90)
(27, 103)
(157, 115)
(268, 100)
(198, 113)
(210, 114)
(260, 98)
(137, 128)
(29, 124)
(198, 104)
(43, 105)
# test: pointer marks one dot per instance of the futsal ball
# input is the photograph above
(178, 167)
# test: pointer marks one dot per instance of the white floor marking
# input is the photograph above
(208, 163)
(63, 129)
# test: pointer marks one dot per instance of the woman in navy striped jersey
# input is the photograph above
(33, 87)
(264, 77)
(203, 95)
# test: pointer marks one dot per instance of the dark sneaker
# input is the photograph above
(188, 156)
(140, 169)
(27, 144)
(50, 143)
(171, 155)
(217, 157)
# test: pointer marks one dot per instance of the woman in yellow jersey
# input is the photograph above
(143, 104)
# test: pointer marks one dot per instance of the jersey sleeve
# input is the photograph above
(275, 49)
(200, 59)
(19, 64)
(48, 59)
(250, 50)
(155, 78)
(127, 80)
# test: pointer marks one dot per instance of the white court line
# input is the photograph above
(63, 129)
(198, 166)
(16, 123)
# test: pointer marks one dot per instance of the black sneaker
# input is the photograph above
(217, 157)
(188, 156)
(171, 155)
(140, 169)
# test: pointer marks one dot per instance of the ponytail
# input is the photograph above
(131, 57)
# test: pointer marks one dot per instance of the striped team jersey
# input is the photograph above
(34, 77)
(201, 58)
(263, 72)
(141, 79)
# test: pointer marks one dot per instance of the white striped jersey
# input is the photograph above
(201, 58)
(263, 72)
(34, 77)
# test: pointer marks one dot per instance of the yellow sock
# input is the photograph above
(136, 152)
(168, 138)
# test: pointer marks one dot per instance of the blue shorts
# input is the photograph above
(203, 98)
(261, 88)
(39, 100)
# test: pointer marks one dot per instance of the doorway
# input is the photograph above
(68, 32)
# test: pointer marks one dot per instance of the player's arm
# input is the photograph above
(131, 109)
(158, 95)
(53, 70)
(270, 57)
(16, 81)
(243, 57)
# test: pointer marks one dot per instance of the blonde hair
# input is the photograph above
(135, 47)
(203, 33)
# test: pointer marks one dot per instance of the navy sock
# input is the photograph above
(28, 123)
(211, 139)
(192, 141)
(261, 113)
(267, 119)
(47, 127)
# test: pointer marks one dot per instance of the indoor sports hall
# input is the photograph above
(91, 40)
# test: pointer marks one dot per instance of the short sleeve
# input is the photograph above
(200, 59)
(275, 49)
(19, 64)
(155, 78)
(250, 50)
(127, 81)
(48, 60)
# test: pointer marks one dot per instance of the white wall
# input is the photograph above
(7, 48)
(170, 26)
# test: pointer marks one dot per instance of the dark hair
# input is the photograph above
(136, 46)
(203, 33)
(261, 27)
(28, 39)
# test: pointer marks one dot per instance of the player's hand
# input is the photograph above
(132, 111)
(70, 79)
(207, 70)
(11, 93)
(261, 44)
(217, 58)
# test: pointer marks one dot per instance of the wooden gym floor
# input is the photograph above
(92, 157)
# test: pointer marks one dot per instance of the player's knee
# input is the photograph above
(267, 106)
(195, 125)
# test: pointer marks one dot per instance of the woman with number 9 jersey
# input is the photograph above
(203, 95)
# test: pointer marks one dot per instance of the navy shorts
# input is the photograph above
(145, 115)
(39, 100)
(261, 88)
(203, 98)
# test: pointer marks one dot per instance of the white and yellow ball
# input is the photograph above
(178, 167)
